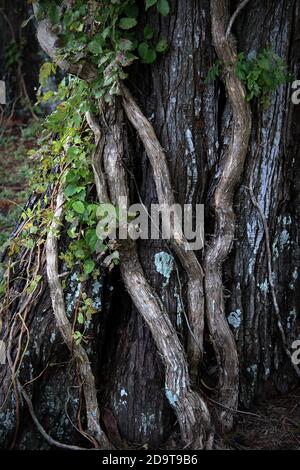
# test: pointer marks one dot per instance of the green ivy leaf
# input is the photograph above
(78, 207)
(126, 45)
(91, 239)
(150, 3)
(146, 53)
(162, 46)
(71, 189)
(89, 266)
(79, 253)
(148, 32)
(72, 233)
(77, 337)
(46, 70)
(127, 23)
(80, 318)
(163, 7)
(95, 47)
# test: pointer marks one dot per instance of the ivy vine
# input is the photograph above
(261, 73)
(104, 34)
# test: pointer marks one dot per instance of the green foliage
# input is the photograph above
(162, 46)
(46, 70)
(213, 73)
(13, 54)
(162, 6)
(262, 74)
(147, 49)
(147, 53)
(104, 33)
(66, 143)
(64, 154)
(14, 164)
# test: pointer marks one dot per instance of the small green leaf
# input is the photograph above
(78, 207)
(46, 70)
(148, 32)
(91, 239)
(162, 46)
(34, 229)
(77, 337)
(72, 233)
(146, 53)
(70, 190)
(150, 3)
(79, 253)
(95, 47)
(126, 45)
(80, 318)
(127, 23)
(89, 266)
(163, 7)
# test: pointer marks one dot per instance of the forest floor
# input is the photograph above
(273, 424)
(16, 138)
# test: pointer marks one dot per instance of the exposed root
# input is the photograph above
(63, 324)
(179, 243)
(232, 168)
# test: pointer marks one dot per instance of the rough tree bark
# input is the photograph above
(194, 124)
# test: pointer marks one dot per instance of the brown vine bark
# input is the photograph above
(87, 380)
(181, 247)
(231, 171)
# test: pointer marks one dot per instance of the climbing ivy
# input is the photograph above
(103, 34)
(261, 73)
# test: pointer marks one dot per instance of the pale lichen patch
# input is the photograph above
(234, 318)
(164, 264)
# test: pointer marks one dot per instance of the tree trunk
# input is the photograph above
(194, 124)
